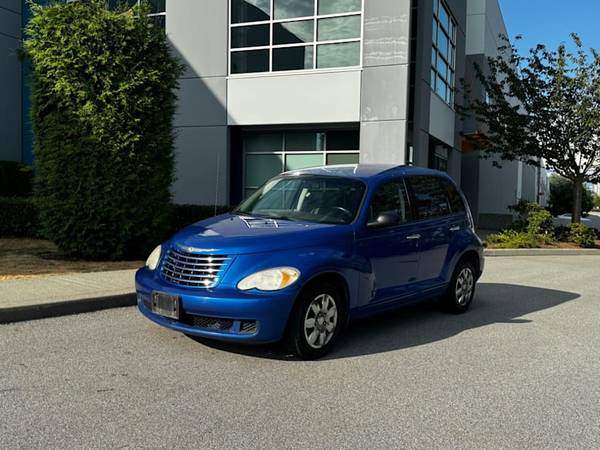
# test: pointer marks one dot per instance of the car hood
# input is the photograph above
(239, 234)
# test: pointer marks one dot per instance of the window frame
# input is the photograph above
(315, 43)
(449, 60)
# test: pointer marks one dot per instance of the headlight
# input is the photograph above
(154, 258)
(270, 280)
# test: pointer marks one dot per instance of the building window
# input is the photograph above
(443, 54)
(268, 153)
(282, 35)
(158, 9)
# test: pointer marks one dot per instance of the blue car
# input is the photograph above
(312, 250)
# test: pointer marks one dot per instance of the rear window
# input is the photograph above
(454, 197)
(431, 197)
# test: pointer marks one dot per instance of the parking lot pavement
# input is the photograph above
(520, 370)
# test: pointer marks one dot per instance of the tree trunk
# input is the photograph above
(577, 200)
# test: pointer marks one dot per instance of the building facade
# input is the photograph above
(276, 85)
(491, 185)
(10, 80)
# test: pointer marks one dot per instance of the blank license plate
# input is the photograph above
(166, 305)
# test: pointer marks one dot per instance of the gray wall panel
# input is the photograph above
(13, 5)
(383, 142)
(10, 23)
(198, 33)
(201, 165)
(386, 32)
(202, 102)
(384, 93)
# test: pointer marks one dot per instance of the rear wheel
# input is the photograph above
(316, 321)
(461, 290)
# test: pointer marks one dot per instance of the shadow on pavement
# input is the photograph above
(425, 323)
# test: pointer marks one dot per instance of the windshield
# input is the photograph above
(322, 199)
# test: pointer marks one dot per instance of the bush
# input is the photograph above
(561, 197)
(18, 217)
(16, 179)
(183, 215)
(515, 239)
(103, 100)
(582, 235)
(540, 221)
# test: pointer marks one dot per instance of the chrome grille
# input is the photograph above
(193, 269)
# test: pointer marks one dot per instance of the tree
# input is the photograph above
(543, 105)
(561, 197)
(103, 99)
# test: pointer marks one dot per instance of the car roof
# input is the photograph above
(365, 171)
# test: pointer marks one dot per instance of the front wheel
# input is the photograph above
(461, 290)
(316, 321)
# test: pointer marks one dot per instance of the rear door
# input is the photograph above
(433, 210)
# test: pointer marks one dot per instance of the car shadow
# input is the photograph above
(425, 323)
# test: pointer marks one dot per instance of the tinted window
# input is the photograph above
(391, 198)
(430, 196)
(456, 201)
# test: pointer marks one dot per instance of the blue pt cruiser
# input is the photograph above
(312, 250)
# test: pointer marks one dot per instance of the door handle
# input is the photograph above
(455, 228)
(413, 237)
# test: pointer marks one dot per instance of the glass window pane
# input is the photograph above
(431, 197)
(250, 61)
(250, 10)
(297, 162)
(433, 57)
(157, 6)
(260, 168)
(339, 28)
(293, 58)
(302, 141)
(338, 55)
(342, 158)
(442, 68)
(391, 198)
(159, 21)
(263, 142)
(293, 32)
(444, 16)
(434, 31)
(343, 140)
(443, 44)
(433, 77)
(250, 36)
(287, 9)
(440, 87)
(338, 6)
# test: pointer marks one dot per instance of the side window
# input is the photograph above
(456, 201)
(430, 196)
(391, 198)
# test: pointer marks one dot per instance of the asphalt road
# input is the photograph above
(520, 370)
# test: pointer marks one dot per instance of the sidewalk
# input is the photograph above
(52, 295)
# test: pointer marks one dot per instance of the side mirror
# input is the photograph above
(386, 219)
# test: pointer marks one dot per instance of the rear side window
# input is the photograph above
(456, 201)
(431, 197)
(391, 198)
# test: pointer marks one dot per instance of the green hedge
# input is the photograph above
(181, 216)
(16, 179)
(18, 217)
(104, 85)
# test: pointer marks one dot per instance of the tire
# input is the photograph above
(461, 289)
(316, 321)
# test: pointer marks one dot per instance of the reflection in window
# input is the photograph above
(430, 196)
(285, 36)
(391, 198)
(338, 55)
(243, 11)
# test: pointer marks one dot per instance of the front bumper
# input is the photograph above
(270, 311)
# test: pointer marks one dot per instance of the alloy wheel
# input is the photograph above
(320, 321)
(464, 286)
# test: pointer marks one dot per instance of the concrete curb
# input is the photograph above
(85, 305)
(541, 252)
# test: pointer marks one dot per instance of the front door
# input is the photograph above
(391, 252)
